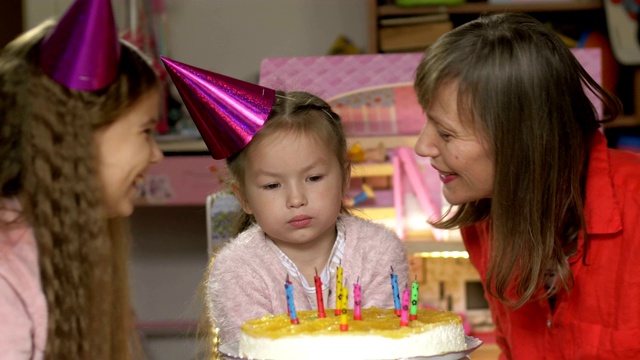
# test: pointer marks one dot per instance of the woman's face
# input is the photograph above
(458, 150)
(125, 149)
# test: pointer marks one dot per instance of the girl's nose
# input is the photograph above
(296, 198)
(156, 153)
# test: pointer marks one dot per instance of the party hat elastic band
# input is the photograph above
(83, 50)
(228, 112)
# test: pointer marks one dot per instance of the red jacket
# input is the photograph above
(600, 317)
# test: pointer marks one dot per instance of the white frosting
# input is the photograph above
(438, 340)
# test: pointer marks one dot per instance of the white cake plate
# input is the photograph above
(229, 351)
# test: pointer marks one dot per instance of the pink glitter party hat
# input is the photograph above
(228, 112)
(83, 50)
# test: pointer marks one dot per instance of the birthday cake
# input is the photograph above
(379, 335)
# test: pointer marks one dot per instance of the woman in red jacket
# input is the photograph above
(548, 213)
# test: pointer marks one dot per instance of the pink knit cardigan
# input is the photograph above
(247, 277)
(23, 307)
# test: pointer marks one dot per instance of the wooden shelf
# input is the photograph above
(197, 145)
(577, 11)
(624, 121)
(361, 170)
(414, 247)
(483, 7)
(375, 213)
(182, 146)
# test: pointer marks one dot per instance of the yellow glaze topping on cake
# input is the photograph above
(380, 322)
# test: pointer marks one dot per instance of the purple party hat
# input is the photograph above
(228, 112)
(83, 50)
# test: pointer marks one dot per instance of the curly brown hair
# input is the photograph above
(49, 164)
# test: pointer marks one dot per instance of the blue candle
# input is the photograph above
(292, 307)
(396, 292)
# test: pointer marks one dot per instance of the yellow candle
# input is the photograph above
(338, 290)
(344, 325)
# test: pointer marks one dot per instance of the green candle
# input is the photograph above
(413, 312)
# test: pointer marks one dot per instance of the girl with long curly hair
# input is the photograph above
(70, 161)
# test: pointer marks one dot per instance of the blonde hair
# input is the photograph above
(301, 113)
(49, 163)
(294, 112)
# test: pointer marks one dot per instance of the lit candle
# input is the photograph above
(396, 292)
(413, 314)
(286, 283)
(338, 289)
(404, 316)
(357, 301)
(344, 325)
(319, 300)
(288, 287)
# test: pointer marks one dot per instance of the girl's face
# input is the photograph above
(294, 188)
(125, 149)
(458, 151)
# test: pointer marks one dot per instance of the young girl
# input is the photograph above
(290, 180)
(70, 161)
(549, 215)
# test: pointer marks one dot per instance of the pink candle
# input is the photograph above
(404, 317)
(357, 301)
(319, 300)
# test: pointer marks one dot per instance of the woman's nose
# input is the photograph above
(426, 143)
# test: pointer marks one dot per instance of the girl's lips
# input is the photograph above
(300, 221)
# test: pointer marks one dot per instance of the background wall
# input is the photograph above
(231, 37)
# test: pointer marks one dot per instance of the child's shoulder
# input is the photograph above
(246, 245)
(367, 230)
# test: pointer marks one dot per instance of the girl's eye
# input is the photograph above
(271, 186)
(315, 178)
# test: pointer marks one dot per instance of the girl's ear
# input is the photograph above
(241, 198)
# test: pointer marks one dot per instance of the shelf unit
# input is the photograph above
(586, 13)
(379, 10)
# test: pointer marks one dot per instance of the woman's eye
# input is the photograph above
(444, 135)
(315, 178)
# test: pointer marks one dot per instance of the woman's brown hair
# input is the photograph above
(49, 163)
(522, 87)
